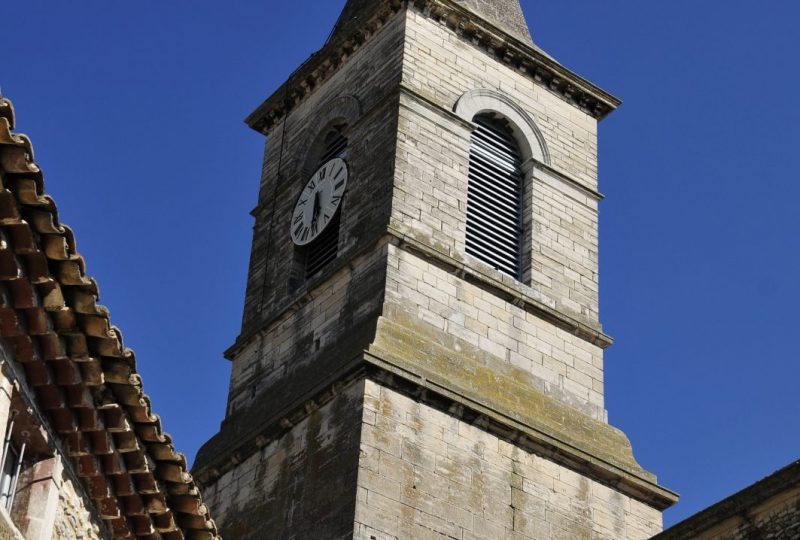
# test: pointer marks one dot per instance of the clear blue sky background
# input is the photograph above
(136, 108)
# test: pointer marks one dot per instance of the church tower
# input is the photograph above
(421, 354)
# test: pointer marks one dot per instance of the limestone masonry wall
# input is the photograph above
(552, 360)
(73, 520)
(300, 318)
(776, 518)
(424, 474)
(433, 161)
(429, 205)
(369, 78)
(304, 339)
(768, 509)
(441, 66)
(447, 336)
(301, 485)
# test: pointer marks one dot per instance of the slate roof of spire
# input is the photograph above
(505, 14)
(83, 376)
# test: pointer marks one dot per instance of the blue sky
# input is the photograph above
(136, 109)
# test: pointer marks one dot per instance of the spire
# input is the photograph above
(505, 14)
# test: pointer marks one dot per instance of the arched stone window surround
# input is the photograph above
(343, 110)
(531, 144)
(339, 113)
(527, 133)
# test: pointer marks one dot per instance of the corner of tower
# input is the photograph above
(455, 334)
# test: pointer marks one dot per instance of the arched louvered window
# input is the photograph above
(325, 248)
(494, 198)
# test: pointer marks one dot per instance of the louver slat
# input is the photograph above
(325, 248)
(494, 198)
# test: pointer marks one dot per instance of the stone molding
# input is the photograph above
(480, 100)
(568, 180)
(637, 484)
(504, 287)
(528, 166)
(344, 108)
(524, 58)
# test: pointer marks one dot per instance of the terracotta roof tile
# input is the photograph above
(83, 375)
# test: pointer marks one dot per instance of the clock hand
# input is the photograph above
(317, 208)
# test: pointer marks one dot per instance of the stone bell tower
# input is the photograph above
(421, 355)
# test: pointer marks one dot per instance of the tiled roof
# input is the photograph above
(84, 378)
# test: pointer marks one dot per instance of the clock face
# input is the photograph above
(319, 201)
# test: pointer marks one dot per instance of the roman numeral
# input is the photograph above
(335, 176)
(335, 199)
(298, 218)
(312, 185)
(305, 234)
(322, 173)
(302, 202)
(339, 185)
(298, 229)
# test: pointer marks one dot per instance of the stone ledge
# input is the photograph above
(517, 412)
(244, 434)
(628, 479)
(511, 292)
(569, 180)
(523, 57)
(505, 288)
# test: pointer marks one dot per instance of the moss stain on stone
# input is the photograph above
(291, 496)
(490, 381)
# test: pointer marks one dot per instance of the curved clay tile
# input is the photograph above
(84, 377)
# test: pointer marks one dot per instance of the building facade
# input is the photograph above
(768, 509)
(421, 353)
(84, 457)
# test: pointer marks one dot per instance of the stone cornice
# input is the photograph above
(524, 58)
(632, 481)
(321, 66)
(638, 484)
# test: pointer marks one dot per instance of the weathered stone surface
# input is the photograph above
(479, 377)
(301, 485)
(475, 403)
(73, 519)
(766, 510)
(425, 474)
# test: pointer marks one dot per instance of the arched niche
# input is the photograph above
(527, 133)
